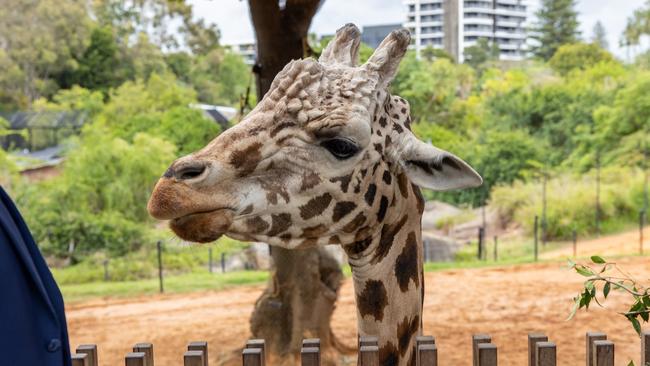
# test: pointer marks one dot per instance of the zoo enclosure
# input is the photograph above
(599, 352)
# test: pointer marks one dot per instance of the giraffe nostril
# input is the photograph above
(190, 171)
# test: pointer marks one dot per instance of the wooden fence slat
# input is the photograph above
(591, 337)
(80, 359)
(533, 339)
(135, 359)
(310, 356)
(311, 343)
(645, 348)
(487, 354)
(545, 354)
(603, 353)
(427, 355)
(200, 346)
(420, 341)
(147, 349)
(369, 356)
(91, 351)
(368, 341)
(252, 357)
(258, 344)
(193, 358)
(476, 340)
(425, 339)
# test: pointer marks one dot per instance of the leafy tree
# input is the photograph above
(578, 56)
(160, 107)
(96, 203)
(98, 64)
(480, 53)
(429, 53)
(599, 35)
(42, 40)
(557, 24)
(432, 87)
(220, 77)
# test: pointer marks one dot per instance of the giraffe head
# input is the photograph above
(320, 160)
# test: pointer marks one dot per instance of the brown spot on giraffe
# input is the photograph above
(315, 206)
(356, 223)
(405, 332)
(388, 355)
(342, 209)
(246, 160)
(406, 265)
(373, 299)
(388, 232)
(279, 224)
(257, 225)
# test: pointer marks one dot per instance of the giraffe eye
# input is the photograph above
(341, 148)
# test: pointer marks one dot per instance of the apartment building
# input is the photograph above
(454, 25)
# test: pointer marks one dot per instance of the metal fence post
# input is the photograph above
(106, 274)
(496, 244)
(641, 222)
(223, 262)
(160, 266)
(535, 229)
(481, 243)
(210, 259)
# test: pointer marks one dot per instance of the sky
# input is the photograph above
(232, 18)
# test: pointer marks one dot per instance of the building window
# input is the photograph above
(411, 8)
(430, 18)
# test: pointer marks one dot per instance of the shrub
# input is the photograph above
(571, 202)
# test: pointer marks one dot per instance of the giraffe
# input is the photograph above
(326, 157)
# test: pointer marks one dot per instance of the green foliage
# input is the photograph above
(521, 202)
(557, 24)
(161, 107)
(602, 276)
(97, 203)
(570, 57)
(483, 51)
(220, 77)
(98, 63)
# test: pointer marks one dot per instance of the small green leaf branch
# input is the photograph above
(607, 276)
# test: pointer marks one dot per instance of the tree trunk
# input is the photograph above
(303, 288)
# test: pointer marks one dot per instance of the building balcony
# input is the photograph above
(479, 10)
(479, 21)
(508, 12)
(510, 46)
(478, 33)
(431, 23)
(509, 23)
(510, 35)
(432, 12)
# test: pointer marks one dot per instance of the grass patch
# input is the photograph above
(187, 282)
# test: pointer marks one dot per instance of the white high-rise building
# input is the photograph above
(454, 25)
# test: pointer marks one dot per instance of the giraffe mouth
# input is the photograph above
(203, 227)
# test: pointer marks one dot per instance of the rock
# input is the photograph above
(439, 248)
(434, 211)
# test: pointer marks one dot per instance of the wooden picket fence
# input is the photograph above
(541, 352)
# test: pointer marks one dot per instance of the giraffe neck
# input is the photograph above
(388, 281)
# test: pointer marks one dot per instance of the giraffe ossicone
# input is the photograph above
(326, 157)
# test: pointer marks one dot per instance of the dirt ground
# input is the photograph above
(505, 302)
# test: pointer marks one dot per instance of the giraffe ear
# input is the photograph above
(344, 47)
(433, 168)
(384, 62)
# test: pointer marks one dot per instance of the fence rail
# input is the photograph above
(541, 352)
